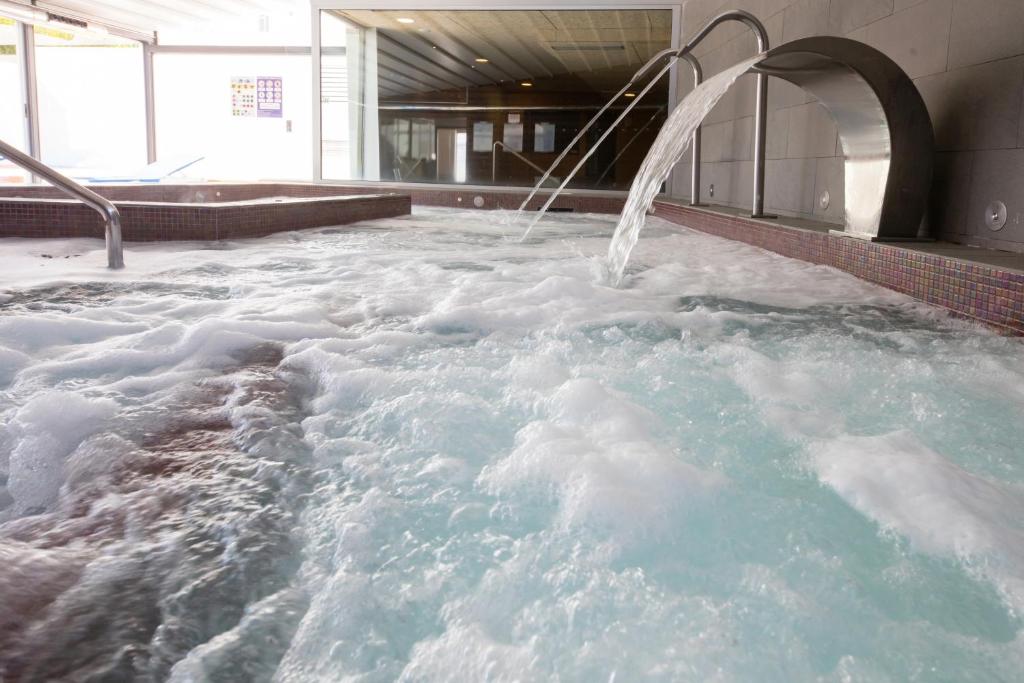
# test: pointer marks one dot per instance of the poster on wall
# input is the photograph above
(243, 96)
(269, 97)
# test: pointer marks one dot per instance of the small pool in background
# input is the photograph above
(418, 449)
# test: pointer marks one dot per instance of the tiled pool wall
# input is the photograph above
(984, 293)
(193, 212)
(980, 292)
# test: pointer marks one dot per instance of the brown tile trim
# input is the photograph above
(979, 292)
(166, 221)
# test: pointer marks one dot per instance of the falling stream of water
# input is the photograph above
(590, 152)
(668, 148)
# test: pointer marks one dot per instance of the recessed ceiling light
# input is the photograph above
(481, 60)
(405, 20)
(526, 84)
(631, 94)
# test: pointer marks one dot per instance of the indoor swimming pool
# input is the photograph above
(418, 448)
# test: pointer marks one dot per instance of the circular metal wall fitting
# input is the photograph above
(478, 201)
(825, 199)
(995, 215)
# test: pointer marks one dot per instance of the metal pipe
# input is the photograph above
(517, 155)
(111, 216)
(150, 99)
(583, 131)
(698, 78)
(593, 148)
(760, 113)
(761, 102)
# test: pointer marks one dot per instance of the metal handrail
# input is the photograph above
(761, 88)
(760, 109)
(698, 78)
(111, 216)
(517, 155)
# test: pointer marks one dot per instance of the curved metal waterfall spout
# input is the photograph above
(884, 127)
(760, 112)
(111, 216)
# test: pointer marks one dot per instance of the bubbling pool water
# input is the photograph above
(417, 449)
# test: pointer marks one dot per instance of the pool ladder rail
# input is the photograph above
(517, 155)
(111, 216)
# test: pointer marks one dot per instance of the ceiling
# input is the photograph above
(147, 16)
(440, 48)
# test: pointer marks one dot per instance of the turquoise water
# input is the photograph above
(422, 450)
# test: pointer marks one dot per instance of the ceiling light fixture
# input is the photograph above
(526, 84)
(482, 60)
(405, 20)
(631, 94)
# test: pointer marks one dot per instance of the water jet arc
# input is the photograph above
(884, 128)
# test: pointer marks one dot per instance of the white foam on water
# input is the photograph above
(938, 506)
(418, 449)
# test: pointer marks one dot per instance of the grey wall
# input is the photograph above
(966, 58)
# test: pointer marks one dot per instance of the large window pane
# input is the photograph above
(234, 116)
(12, 106)
(348, 99)
(92, 118)
(527, 79)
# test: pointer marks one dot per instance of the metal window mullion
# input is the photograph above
(29, 88)
(150, 95)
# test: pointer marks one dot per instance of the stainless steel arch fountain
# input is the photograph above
(884, 127)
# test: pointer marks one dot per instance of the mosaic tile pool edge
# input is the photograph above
(971, 290)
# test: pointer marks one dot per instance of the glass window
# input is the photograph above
(234, 116)
(12, 104)
(92, 112)
(529, 78)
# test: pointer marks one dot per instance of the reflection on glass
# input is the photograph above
(483, 136)
(460, 157)
(544, 137)
(513, 137)
(530, 79)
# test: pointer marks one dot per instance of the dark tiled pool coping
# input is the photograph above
(989, 293)
(154, 221)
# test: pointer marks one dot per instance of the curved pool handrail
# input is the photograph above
(111, 216)
(517, 155)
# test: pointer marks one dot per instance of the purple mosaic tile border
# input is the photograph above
(156, 222)
(977, 291)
